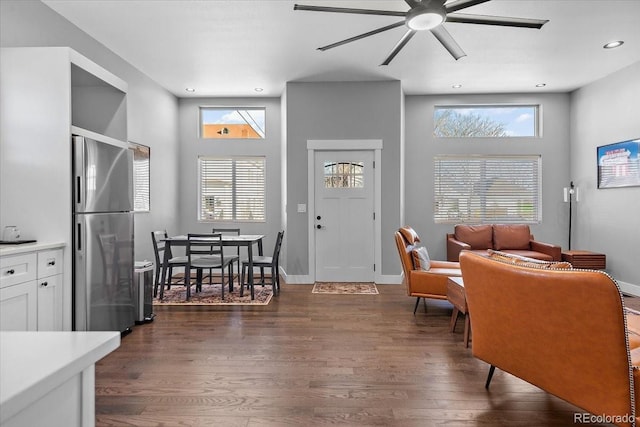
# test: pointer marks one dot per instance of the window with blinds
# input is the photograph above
(141, 166)
(232, 189)
(487, 189)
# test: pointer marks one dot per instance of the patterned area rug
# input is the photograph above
(345, 288)
(210, 295)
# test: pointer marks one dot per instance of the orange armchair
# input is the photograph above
(563, 330)
(431, 283)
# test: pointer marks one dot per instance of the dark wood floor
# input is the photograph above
(311, 360)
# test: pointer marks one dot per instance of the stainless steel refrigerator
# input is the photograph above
(103, 235)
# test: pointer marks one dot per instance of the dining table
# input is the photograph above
(242, 240)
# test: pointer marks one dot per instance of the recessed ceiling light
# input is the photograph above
(614, 44)
(258, 89)
(541, 85)
(190, 89)
(458, 86)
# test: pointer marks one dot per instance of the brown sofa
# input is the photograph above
(511, 238)
(431, 283)
(563, 330)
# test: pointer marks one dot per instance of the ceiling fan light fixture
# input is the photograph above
(425, 18)
(613, 44)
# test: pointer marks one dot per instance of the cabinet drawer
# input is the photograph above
(49, 262)
(17, 269)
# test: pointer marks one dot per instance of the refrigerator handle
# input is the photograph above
(79, 171)
(78, 189)
(79, 248)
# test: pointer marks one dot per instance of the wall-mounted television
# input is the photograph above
(619, 164)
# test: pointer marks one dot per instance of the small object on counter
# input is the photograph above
(11, 233)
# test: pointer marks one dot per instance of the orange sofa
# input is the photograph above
(430, 283)
(511, 238)
(563, 330)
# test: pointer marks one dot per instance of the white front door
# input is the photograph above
(344, 216)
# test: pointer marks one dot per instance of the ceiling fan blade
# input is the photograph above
(348, 10)
(503, 21)
(448, 42)
(403, 41)
(462, 4)
(413, 3)
(361, 36)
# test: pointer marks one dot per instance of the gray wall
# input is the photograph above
(421, 147)
(601, 113)
(191, 146)
(341, 110)
(606, 220)
(152, 111)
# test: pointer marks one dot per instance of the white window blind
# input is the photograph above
(232, 189)
(486, 189)
(141, 166)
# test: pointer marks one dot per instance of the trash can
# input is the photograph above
(143, 291)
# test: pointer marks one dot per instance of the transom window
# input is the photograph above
(232, 123)
(231, 189)
(343, 174)
(487, 189)
(474, 121)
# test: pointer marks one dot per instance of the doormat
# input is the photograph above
(210, 295)
(357, 288)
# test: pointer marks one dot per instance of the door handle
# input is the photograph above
(318, 226)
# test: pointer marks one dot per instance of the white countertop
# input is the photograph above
(34, 363)
(29, 247)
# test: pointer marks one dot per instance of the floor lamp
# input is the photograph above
(569, 192)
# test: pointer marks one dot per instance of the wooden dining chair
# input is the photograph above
(265, 262)
(206, 252)
(230, 232)
(159, 246)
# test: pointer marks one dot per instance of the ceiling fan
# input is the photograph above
(427, 15)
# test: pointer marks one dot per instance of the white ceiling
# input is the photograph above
(228, 48)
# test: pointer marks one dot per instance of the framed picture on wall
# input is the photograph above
(619, 164)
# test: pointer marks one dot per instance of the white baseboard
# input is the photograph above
(629, 288)
(299, 279)
(389, 279)
(296, 279)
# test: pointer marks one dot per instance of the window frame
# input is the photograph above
(350, 179)
(537, 125)
(201, 123)
(201, 217)
(441, 214)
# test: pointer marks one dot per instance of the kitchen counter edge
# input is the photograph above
(29, 247)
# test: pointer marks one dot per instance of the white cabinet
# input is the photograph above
(50, 290)
(31, 288)
(18, 307)
(46, 92)
(18, 292)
